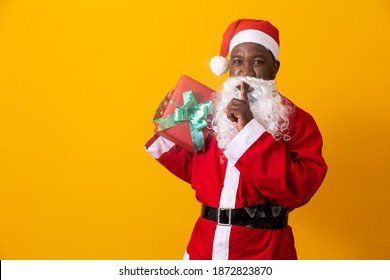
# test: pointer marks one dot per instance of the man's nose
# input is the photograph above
(247, 70)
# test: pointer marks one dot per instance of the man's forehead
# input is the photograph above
(249, 48)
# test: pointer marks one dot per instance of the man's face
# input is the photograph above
(253, 60)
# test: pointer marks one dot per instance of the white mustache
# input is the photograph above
(255, 87)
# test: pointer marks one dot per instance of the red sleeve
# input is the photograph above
(286, 172)
(174, 158)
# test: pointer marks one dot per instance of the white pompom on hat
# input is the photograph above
(219, 65)
(245, 31)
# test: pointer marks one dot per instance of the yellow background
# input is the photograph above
(79, 84)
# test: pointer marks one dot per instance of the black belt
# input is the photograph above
(264, 216)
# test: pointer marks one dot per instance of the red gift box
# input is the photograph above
(180, 132)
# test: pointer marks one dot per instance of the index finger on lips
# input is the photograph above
(243, 96)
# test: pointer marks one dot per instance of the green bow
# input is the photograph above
(191, 111)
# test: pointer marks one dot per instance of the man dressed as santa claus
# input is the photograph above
(262, 159)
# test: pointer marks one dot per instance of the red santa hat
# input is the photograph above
(245, 31)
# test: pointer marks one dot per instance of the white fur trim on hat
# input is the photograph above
(219, 65)
(255, 36)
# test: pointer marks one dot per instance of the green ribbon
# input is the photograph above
(192, 112)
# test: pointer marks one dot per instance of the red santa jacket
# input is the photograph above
(254, 168)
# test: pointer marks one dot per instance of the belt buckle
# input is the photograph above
(224, 216)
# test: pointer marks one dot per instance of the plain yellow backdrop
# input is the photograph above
(79, 84)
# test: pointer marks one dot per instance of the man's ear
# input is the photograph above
(276, 68)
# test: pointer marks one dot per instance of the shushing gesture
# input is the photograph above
(238, 110)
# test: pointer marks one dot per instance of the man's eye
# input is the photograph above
(258, 61)
(236, 62)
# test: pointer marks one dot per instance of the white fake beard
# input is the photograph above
(268, 107)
